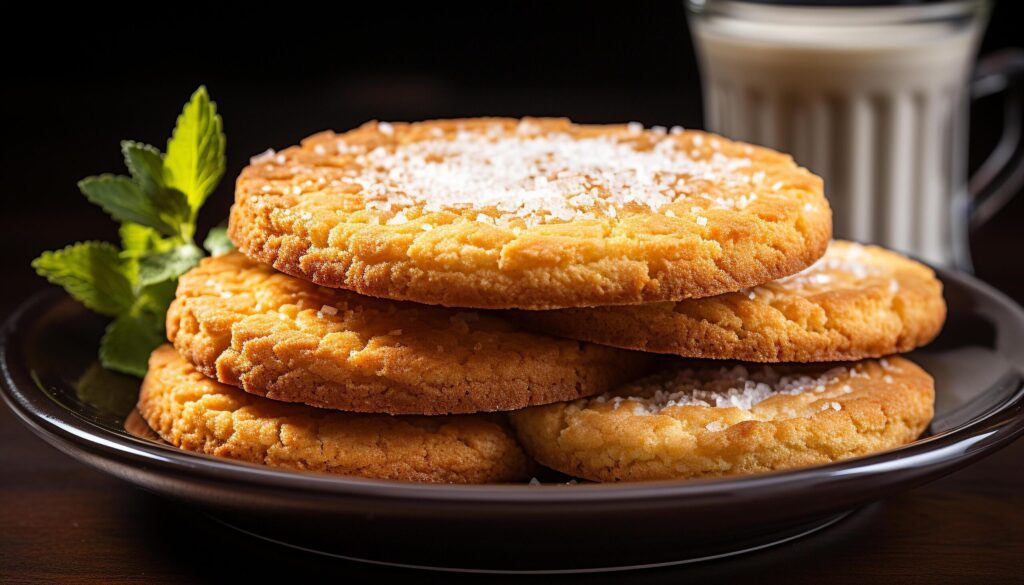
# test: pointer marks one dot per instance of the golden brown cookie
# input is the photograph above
(271, 334)
(194, 413)
(715, 421)
(856, 302)
(530, 214)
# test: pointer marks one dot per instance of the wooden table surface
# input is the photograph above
(61, 521)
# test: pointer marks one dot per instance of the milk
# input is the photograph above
(872, 99)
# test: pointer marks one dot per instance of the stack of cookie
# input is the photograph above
(455, 301)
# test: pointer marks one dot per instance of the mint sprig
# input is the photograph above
(92, 272)
(195, 153)
(157, 206)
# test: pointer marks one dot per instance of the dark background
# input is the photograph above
(71, 90)
(281, 72)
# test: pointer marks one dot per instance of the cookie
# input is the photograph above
(530, 214)
(271, 334)
(856, 302)
(716, 421)
(194, 413)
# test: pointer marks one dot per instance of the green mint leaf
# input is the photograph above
(146, 164)
(127, 343)
(91, 272)
(125, 201)
(195, 153)
(168, 265)
(154, 299)
(135, 334)
(217, 241)
(139, 240)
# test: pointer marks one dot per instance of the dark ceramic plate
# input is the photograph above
(50, 380)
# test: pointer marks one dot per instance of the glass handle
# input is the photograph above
(1001, 176)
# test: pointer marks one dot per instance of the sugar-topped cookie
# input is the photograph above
(271, 334)
(192, 412)
(712, 421)
(855, 302)
(532, 213)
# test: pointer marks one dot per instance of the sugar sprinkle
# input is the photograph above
(537, 178)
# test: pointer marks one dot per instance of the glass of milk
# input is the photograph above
(872, 96)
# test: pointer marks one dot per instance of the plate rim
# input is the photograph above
(950, 449)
